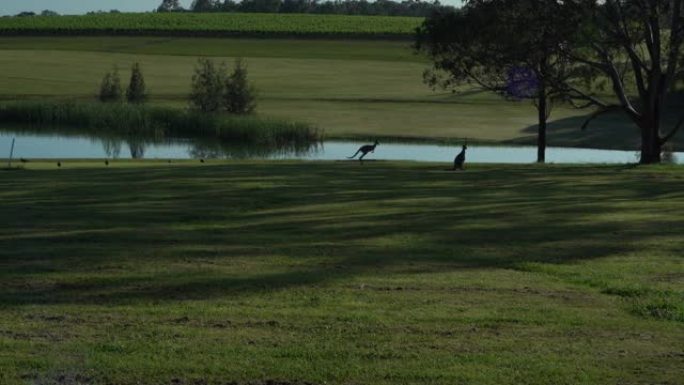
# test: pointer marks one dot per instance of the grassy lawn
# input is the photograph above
(382, 50)
(348, 88)
(330, 272)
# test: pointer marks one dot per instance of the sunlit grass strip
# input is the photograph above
(214, 24)
(154, 122)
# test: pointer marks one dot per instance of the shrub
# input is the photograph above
(136, 88)
(207, 86)
(110, 88)
(239, 94)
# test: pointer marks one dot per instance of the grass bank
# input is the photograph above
(126, 120)
(332, 272)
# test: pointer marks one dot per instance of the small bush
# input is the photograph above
(207, 86)
(136, 88)
(239, 94)
(110, 88)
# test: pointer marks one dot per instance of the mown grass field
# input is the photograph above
(331, 272)
(351, 89)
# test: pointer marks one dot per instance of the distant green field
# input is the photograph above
(213, 24)
(349, 88)
(334, 49)
(145, 273)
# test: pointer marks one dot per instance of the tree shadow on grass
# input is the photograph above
(608, 131)
(123, 236)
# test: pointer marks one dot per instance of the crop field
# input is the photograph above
(213, 24)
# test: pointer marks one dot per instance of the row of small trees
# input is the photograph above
(111, 90)
(214, 89)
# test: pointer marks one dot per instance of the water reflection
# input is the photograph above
(41, 143)
(214, 150)
(48, 145)
(112, 148)
(137, 149)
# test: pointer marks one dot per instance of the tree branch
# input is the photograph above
(654, 22)
(637, 66)
(592, 100)
(648, 35)
(675, 46)
(673, 131)
(637, 63)
(580, 106)
(588, 62)
(619, 89)
(481, 82)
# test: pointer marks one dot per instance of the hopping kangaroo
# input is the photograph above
(364, 150)
(459, 160)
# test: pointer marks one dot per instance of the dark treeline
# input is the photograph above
(339, 7)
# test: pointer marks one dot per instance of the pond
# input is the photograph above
(59, 146)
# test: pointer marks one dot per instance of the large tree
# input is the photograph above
(205, 5)
(637, 46)
(507, 46)
(169, 6)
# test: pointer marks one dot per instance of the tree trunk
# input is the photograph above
(541, 132)
(651, 144)
(651, 147)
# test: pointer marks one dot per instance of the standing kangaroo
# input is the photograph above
(459, 160)
(364, 150)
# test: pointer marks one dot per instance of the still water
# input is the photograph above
(58, 146)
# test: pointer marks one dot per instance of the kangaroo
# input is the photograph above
(365, 150)
(459, 160)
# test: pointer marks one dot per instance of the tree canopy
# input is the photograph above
(169, 6)
(637, 46)
(548, 50)
(511, 47)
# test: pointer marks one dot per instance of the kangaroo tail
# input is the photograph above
(354, 156)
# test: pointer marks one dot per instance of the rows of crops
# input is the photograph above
(212, 24)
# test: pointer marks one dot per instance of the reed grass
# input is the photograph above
(153, 122)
